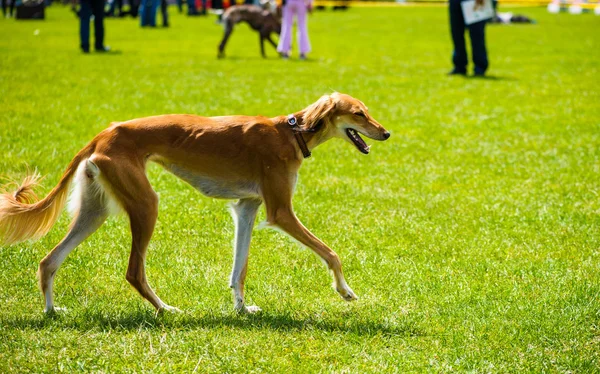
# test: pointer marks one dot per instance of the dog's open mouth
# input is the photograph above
(357, 140)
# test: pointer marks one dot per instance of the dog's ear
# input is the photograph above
(317, 111)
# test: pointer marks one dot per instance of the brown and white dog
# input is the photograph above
(250, 159)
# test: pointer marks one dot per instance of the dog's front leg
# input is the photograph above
(228, 31)
(280, 214)
(244, 214)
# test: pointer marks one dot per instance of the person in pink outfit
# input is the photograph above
(299, 8)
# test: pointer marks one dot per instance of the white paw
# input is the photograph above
(252, 309)
(347, 294)
(54, 310)
(169, 309)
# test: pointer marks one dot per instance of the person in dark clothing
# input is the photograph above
(115, 4)
(477, 35)
(148, 12)
(134, 6)
(12, 7)
(193, 10)
(89, 7)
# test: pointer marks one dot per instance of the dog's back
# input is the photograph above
(254, 15)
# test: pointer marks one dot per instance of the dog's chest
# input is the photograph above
(216, 188)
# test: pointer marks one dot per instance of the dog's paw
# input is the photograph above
(168, 309)
(54, 311)
(347, 294)
(252, 309)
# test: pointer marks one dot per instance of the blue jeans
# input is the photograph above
(477, 34)
(89, 7)
(148, 10)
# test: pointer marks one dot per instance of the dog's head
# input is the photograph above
(342, 116)
(269, 5)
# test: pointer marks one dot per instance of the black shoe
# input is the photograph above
(478, 75)
(457, 72)
(85, 50)
(103, 49)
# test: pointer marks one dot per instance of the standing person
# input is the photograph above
(297, 8)
(118, 4)
(12, 8)
(89, 7)
(477, 34)
(193, 9)
(148, 10)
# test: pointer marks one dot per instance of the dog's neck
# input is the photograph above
(312, 138)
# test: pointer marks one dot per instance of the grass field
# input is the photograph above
(472, 236)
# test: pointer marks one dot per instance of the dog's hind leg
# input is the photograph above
(262, 44)
(244, 214)
(133, 191)
(91, 204)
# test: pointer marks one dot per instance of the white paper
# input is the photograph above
(481, 13)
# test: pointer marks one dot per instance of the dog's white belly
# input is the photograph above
(216, 188)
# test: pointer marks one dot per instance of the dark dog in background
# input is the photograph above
(264, 19)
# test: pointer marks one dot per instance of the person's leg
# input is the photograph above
(141, 10)
(145, 10)
(146, 7)
(165, 15)
(4, 8)
(303, 42)
(191, 7)
(285, 39)
(111, 8)
(98, 11)
(480, 59)
(12, 7)
(457, 29)
(85, 12)
(134, 7)
(153, 10)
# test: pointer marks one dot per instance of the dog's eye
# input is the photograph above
(360, 114)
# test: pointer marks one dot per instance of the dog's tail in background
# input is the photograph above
(23, 216)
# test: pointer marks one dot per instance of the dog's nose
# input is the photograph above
(386, 135)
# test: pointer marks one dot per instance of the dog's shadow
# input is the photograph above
(148, 320)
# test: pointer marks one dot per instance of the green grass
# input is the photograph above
(472, 236)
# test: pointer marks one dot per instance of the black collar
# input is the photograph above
(291, 120)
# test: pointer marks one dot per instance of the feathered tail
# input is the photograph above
(23, 216)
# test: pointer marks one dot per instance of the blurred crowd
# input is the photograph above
(273, 17)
